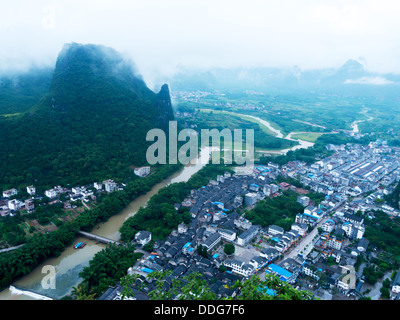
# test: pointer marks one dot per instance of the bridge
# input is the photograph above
(107, 241)
(98, 238)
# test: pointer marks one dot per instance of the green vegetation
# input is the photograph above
(20, 91)
(394, 197)
(39, 247)
(263, 138)
(229, 249)
(90, 126)
(194, 287)
(106, 267)
(318, 151)
(383, 232)
(280, 211)
(11, 231)
(307, 136)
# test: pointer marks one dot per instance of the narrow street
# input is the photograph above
(306, 244)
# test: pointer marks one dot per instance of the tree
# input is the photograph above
(196, 288)
(201, 250)
(229, 249)
(385, 293)
(80, 292)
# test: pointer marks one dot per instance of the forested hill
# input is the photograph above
(91, 125)
(20, 90)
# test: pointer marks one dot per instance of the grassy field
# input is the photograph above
(264, 139)
(307, 136)
(244, 117)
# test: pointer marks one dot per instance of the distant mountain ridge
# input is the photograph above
(350, 78)
(91, 124)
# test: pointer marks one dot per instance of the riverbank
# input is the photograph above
(71, 262)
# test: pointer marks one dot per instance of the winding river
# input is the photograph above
(302, 143)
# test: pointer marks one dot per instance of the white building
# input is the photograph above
(239, 267)
(243, 223)
(258, 262)
(328, 225)
(250, 199)
(303, 200)
(227, 234)
(51, 193)
(354, 231)
(347, 281)
(246, 236)
(110, 185)
(301, 228)
(334, 243)
(396, 283)
(31, 190)
(98, 186)
(143, 237)
(182, 228)
(269, 253)
(10, 193)
(142, 171)
(15, 204)
(274, 230)
(212, 241)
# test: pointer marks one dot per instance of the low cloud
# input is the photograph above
(378, 81)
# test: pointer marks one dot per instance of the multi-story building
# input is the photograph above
(212, 241)
(110, 185)
(246, 236)
(51, 193)
(227, 234)
(31, 190)
(239, 267)
(10, 193)
(29, 205)
(250, 199)
(142, 171)
(328, 225)
(15, 204)
(303, 200)
(274, 230)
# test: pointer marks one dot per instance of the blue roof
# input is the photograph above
(279, 270)
(215, 255)
(147, 270)
(268, 291)
(308, 215)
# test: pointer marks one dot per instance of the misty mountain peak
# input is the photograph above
(352, 66)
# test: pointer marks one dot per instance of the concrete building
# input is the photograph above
(10, 193)
(142, 171)
(31, 190)
(247, 236)
(250, 199)
(110, 185)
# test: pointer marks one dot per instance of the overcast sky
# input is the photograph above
(161, 34)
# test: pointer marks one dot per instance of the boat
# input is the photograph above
(80, 245)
